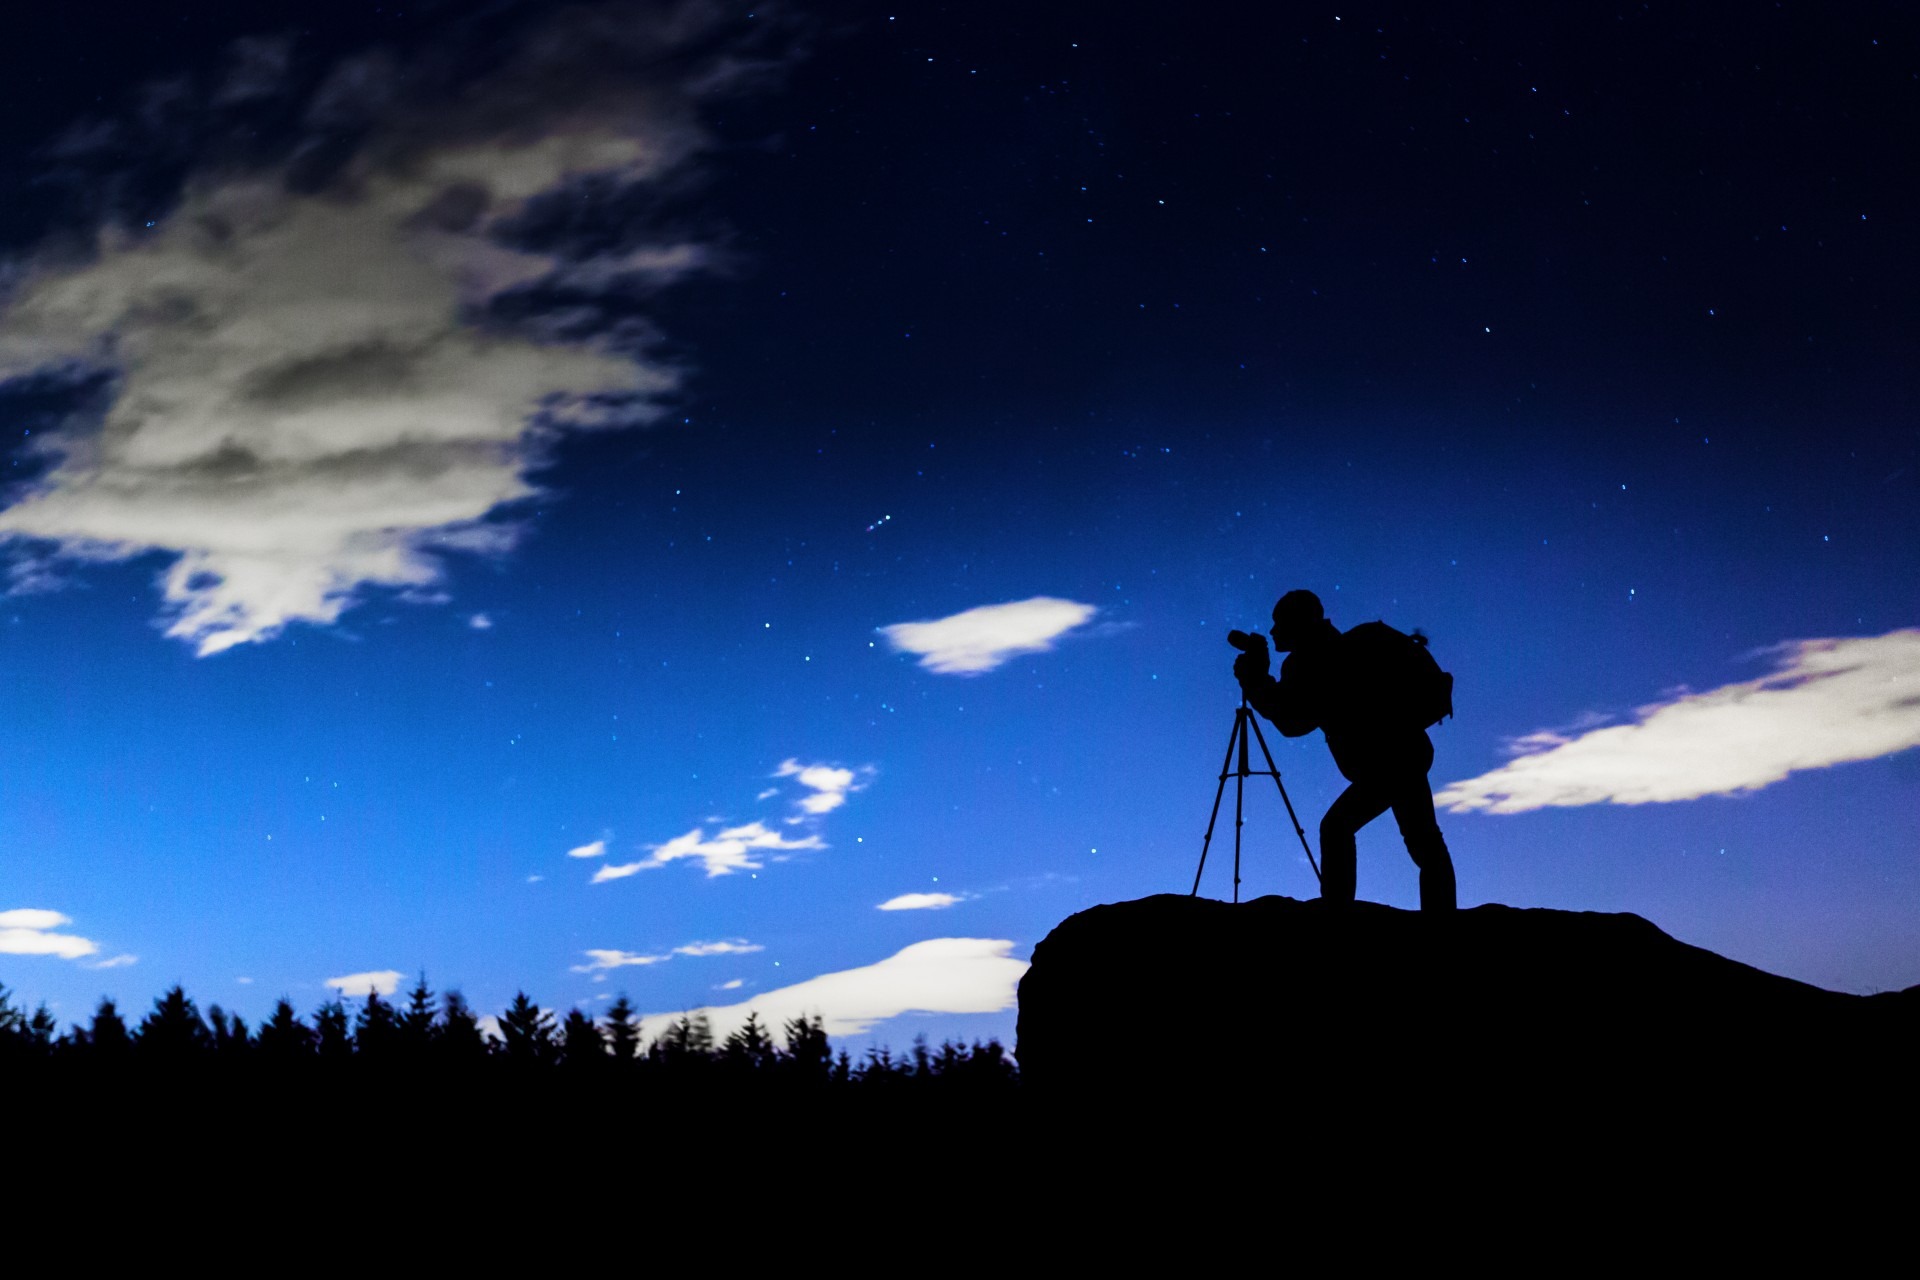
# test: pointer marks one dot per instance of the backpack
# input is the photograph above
(1403, 681)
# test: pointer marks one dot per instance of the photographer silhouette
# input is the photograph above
(1369, 692)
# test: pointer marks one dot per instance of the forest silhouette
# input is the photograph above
(439, 1038)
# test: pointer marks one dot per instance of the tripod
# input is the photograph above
(1243, 720)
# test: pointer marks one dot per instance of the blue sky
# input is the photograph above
(611, 504)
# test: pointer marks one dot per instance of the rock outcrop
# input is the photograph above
(1517, 1008)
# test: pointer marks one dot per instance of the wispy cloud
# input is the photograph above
(599, 959)
(725, 947)
(942, 975)
(111, 962)
(312, 379)
(979, 640)
(920, 902)
(384, 981)
(828, 784)
(733, 849)
(1827, 702)
(594, 850)
(30, 931)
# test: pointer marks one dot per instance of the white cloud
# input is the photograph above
(480, 622)
(919, 902)
(979, 640)
(726, 947)
(384, 981)
(29, 931)
(1827, 702)
(942, 975)
(829, 784)
(32, 918)
(734, 985)
(593, 850)
(732, 850)
(243, 981)
(113, 962)
(303, 404)
(604, 959)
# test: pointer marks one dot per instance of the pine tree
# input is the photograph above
(582, 1043)
(417, 1021)
(376, 1028)
(283, 1037)
(333, 1039)
(174, 1031)
(749, 1047)
(40, 1032)
(107, 1038)
(526, 1032)
(623, 1030)
(460, 1040)
(230, 1039)
(13, 1028)
(808, 1052)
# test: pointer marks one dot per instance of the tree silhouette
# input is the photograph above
(284, 1038)
(230, 1039)
(174, 1031)
(749, 1047)
(526, 1032)
(582, 1043)
(418, 1021)
(623, 1030)
(460, 1041)
(809, 1055)
(333, 1040)
(376, 1028)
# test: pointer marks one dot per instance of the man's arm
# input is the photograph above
(1274, 699)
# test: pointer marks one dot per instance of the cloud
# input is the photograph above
(920, 902)
(942, 975)
(603, 959)
(1827, 702)
(733, 985)
(384, 981)
(728, 947)
(113, 962)
(594, 850)
(29, 931)
(830, 784)
(979, 640)
(731, 850)
(480, 622)
(313, 379)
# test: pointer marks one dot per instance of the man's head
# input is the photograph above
(1297, 617)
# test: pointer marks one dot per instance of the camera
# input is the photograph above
(1247, 641)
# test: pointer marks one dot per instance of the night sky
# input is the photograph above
(742, 506)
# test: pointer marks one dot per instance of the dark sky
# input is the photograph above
(1582, 340)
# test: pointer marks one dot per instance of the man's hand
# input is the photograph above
(1251, 668)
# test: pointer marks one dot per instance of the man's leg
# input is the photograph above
(1358, 805)
(1413, 810)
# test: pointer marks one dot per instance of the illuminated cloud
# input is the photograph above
(384, 981)
(943, 975)
(311, 381)
(979, 640)
(733, 849)
(725, 947)
(29, 931)
(829, 784)
(919, 902)
(1827, 702)
(603, 959)
(594, 850)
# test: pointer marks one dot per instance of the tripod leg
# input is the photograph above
(1215, 815)
(1239, 794)
(1284, 799)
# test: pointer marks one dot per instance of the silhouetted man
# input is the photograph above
(1327, 684)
